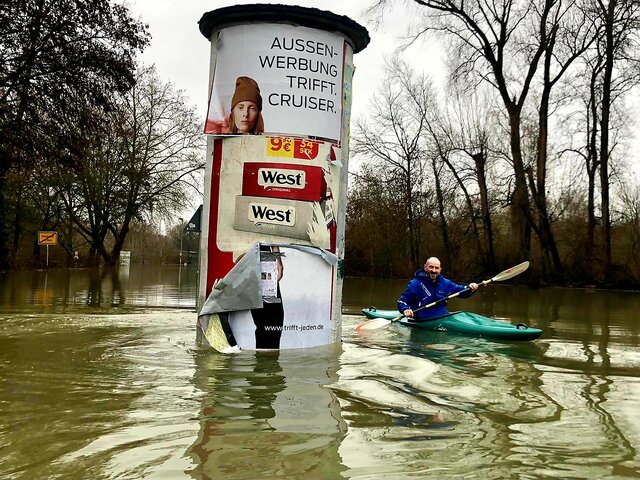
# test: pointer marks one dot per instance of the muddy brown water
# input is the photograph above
(101, 378)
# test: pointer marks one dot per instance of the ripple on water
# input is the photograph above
(132, 396)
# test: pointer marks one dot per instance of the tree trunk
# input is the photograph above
(543, 230)
(4, 231)
(539, 189)
(480, 160)
(444, 229)
(609, 58)
(411, 220)
(592, 168)
(469, 203)
(520, 199)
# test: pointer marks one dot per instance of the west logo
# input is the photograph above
(274, 177)
(260, 213)
(284, 181)
(273, 216)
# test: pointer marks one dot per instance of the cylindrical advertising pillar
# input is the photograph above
(276, 175)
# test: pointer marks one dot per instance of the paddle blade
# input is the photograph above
(373, 324)
(511, 272)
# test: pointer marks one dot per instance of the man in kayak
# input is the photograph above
(428, 286)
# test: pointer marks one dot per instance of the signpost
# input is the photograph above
(47, 238)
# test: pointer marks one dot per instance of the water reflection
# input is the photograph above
(439, 420)
(268, 414)
(467, 353)
(59, 392)
(94, 387)
(126, 286)
(95, 293)
(502, 407)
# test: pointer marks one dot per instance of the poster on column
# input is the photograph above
(279, 189)
(296, 310)
(279, 79)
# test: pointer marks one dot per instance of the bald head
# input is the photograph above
(433, 260)
(432, 267)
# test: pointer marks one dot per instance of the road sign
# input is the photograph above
(47, 238)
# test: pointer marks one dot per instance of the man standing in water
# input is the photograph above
(428, 286)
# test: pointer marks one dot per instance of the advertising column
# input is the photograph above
(276, 175)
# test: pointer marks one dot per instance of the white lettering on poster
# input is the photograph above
(298, 72)
(307, 66)
(275, 177)
(260, 213)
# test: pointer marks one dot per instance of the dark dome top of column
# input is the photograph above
(303, 16)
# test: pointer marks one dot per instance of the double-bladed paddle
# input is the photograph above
(505, 275)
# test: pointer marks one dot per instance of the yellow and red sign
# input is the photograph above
(47, 238)
(287, 147)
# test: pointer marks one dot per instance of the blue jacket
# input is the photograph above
(422, 291)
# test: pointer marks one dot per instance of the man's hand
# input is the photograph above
(473, 286)
(408, 313)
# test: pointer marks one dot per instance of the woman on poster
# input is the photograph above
(246, 108)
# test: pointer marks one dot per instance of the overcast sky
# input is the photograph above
(181, 53)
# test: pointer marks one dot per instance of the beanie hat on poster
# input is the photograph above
(246, 90)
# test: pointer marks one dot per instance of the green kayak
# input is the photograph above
(465, 323)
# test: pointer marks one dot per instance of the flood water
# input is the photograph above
(101, 378)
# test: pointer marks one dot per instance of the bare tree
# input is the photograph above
(502, 44)
(144, 164)
(618, 47)
(610, 70)
(568, 35)
(461, 131)
(48, 51)
(392, 137)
